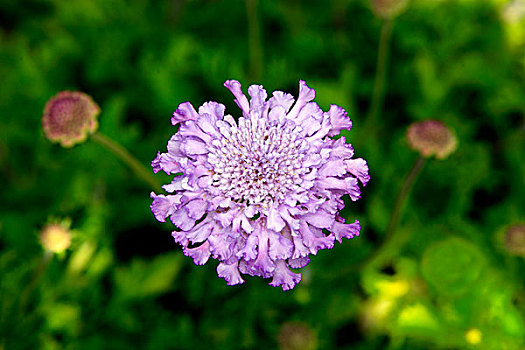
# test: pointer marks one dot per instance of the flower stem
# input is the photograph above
(392, 242)
(381, 72)
(37, 274)
(140, 170)
(254, 40)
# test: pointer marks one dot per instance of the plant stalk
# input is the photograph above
(381, 73)
(254, 40)
(138, 168)
(392, 242)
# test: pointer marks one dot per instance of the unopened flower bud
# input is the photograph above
(388, 9)
(55, 238)
(297, 336)
(515, 240)
(432, 138)
(69, 117)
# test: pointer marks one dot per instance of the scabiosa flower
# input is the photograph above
(432, 138)
(388, 9)
(55, 238)
(69, 117)
(296, 336)
(514, 240)
(261, 193)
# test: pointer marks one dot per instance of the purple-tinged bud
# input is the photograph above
(296, 336)
(515, 240)
(55, 238)
(388, 9)
(432, 138)
(69, 117)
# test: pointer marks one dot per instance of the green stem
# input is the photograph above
(37, 274)
(381, 73)
(254, 40)
(392, 242)
(140, 170)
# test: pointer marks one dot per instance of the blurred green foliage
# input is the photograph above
(124, 284)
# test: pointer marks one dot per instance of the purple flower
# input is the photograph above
(263, 192)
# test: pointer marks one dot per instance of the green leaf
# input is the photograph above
(142, 279)
(452, 266)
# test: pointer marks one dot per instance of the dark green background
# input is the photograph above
(124, 284)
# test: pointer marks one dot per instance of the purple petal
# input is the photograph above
(339, 120)
(282, 276)
(359, 168)
(292, 222)
(280, 247)
(341, 230)
(347, 185)
(220, 245)
(258, 98)
(174, 144)
(306, 95)
(240, 221)
(297, 263)
(262, 265)
(249, 251)
(230, 273)
(163, 206)
(193, 147)
(235, 87)
(320, 133)
(300, 249)
(216, 110)
(184, 112)
(341, 149)
(200, 254)
(275, 221)
(180, 238)
(320, 219)
(192, 129)
(226, 218)
(315, 241)
(196, 208)
(166, 162)
(200, 232)
(310, 113)
(208, 124)
(181, 219)
(312, 159)
(311, 125)
(334, 167)
(250, 211)
(281, 99)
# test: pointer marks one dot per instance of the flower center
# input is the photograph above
(259, 161)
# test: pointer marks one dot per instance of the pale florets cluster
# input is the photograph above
(263, 192)
(55, 238)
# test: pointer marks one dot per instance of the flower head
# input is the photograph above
(432, 138)
(55, 238)
(515, 240)
(259, 193)
(388, 9)
(296, 336)
(69, 117)
(473, 336)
